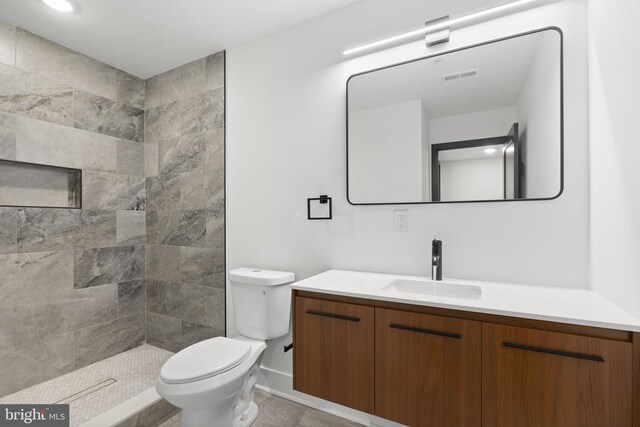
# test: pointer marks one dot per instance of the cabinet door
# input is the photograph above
(333, 352)
(537, 378)
(427, 369)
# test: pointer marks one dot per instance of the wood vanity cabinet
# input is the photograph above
(540, 378)
(425, 366)
(427, 369)
(333, 355)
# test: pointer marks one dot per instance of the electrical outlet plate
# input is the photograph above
(401, 221)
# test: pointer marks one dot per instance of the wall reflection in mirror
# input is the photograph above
(478, 124)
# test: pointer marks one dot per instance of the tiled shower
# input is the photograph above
(143, 259)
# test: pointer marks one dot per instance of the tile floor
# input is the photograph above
(278, 412)
(96, 388)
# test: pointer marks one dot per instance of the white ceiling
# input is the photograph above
(147, 37)
(502, 70)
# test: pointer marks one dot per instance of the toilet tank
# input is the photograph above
(261, 302)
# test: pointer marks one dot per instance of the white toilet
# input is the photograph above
(213, 381)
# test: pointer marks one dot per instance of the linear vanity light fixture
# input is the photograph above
(442, 25)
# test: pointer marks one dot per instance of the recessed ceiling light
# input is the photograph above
(61, 5)
(489, 150)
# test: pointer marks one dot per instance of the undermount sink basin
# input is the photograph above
(432, 288)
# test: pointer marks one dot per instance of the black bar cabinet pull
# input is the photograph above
(424, 331)
(333, 316)
(554, 352)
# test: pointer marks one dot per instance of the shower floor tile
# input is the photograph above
(92, 390)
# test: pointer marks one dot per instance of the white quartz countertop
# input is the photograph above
(565, 305)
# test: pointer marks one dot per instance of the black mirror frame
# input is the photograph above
(540, 30)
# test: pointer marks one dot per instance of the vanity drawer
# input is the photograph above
(538, 378)
(427, 369)
(333, 352)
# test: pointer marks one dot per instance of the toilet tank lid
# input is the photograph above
(259, 277)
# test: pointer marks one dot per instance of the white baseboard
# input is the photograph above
(281, 384)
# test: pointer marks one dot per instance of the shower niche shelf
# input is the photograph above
(39, 186)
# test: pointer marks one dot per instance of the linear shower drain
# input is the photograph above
(87, 391)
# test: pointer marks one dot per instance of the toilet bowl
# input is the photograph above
(213, 381)
(216, 390)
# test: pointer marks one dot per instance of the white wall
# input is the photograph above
(483, 124)
(615, 151)
(286, 142)
(385, 152)
(472, 179)
(539, 120)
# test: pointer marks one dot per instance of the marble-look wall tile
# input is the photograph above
(182, 154)
(36, 97)
(202, 112)
(131, 298)
(153, 234)
(175, 334)
(63, 65)
(98, 228)
(183, 301)
(95, 267)
(48, 229)
(195, 332)
(215, 225)
(100, 190)
(45, 316)
(182, 228)
(162, 123)
(202, 266)
(131, 158)
(201, 189)
(132, 193)
(8, 324)
(8, 230)
(51, 144)
(102, 115)
(107, 191)
(151, 301)
(129, 123)
(216, 308)
(78, 275)
(163, 263)
(215, 71)
(7, 44)
(215, 150)
(179, 83)
(151, 158)
(99, 342)
(164, 331)
(35, 274)
(130, 90)
(131, 228)
(163, 192)
(94, 113)
(10, 283)
(22, 367)
(44, 273)
(7, 136)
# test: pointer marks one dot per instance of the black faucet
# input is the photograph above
(436, 260)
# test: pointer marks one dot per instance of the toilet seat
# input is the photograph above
(204, 360)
